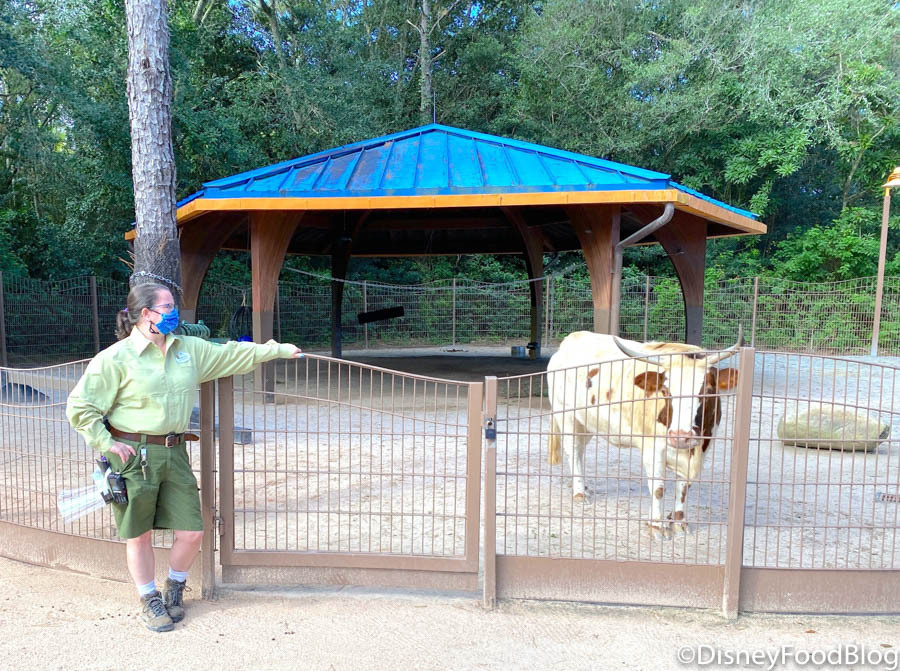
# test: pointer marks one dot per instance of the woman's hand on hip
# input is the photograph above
(123, 451)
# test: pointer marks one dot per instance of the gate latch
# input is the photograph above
(490, 431)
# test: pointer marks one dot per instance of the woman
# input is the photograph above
(133, 404)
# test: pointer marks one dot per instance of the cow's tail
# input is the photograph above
(554, 446)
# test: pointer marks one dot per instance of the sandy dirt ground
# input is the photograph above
(60, 620)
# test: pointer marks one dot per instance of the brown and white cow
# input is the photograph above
(663, 400)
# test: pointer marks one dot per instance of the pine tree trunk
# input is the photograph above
(425, 62)
(156, 248)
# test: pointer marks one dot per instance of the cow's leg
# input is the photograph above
(573, 441)
(679, 525)
(655, 467)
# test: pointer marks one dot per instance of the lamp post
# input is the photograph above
(892, 182)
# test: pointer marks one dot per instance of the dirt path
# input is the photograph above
(59, 620)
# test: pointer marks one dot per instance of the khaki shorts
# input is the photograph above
(168, 498)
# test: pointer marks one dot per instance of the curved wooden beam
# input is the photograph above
(533, 246)
(341, 247)
(199, 244)
(684, 240)
(597, 227)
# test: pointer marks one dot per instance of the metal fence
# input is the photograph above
(354, 468)
(42, 456)
(51, 322)
(795, 507)
(345, 473)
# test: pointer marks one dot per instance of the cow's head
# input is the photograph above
(691, 384)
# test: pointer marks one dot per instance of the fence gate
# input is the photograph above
(349, 474)
(542, 544)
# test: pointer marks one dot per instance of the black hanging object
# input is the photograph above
(380, 315)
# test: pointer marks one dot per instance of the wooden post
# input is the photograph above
(340, 262)
(737, 496)
(95, 312)
(270, 235)
(199, 245)
(597, 227)
(226, 470)
(646, 307)
(684, 239)
(4, 361)
(207, 490)
(343, 234)
(533, 247)
(490, 496)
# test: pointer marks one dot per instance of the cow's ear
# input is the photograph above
(726, 378)
(650, 381)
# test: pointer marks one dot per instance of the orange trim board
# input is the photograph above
(684, 201)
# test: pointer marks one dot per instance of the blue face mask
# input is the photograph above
(168, 323)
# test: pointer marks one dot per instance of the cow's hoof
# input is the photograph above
(660, 530)
(679, 526)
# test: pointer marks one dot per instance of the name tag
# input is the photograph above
(182, 357)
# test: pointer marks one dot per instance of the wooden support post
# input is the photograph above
(533, 246)
(489, 545)
(684, 239)
(597, 227)
(341, 248)
(4, 361)
(226, 469)
(737, 491)
(340, 262)
(199, 245)
(95, 312)
(270, 235)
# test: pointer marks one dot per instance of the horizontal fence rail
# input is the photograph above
(823, 318)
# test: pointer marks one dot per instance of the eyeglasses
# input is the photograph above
(168, 307)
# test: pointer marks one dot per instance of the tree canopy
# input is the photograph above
(788, 109)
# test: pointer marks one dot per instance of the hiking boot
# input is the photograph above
(154, 613)
(174, 598)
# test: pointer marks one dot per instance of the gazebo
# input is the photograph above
(439, 190)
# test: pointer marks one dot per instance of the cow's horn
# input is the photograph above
(731, 351)
(636, 354)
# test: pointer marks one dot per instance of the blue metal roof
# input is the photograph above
(439, 160)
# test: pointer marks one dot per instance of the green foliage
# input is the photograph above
(844, 250)
(789, 109)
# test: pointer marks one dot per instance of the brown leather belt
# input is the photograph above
(169, 440)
